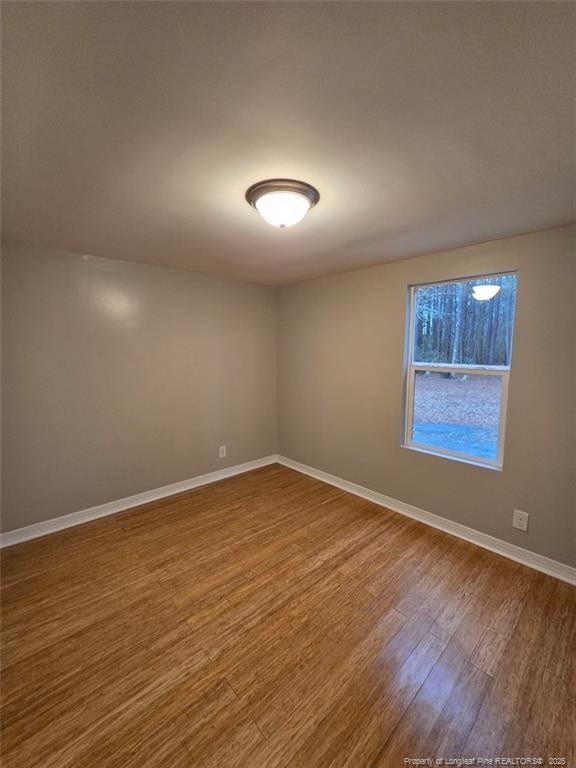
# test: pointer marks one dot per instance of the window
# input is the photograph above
(459, 353)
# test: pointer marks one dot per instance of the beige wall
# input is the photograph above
(341, 343)
(120, 378)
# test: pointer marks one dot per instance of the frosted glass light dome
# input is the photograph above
(282, 209)
(282, 202)
(484, 292)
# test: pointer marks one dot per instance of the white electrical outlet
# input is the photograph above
(222, 451)
(520, 520)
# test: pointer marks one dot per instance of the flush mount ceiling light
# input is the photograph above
(484, 292)
(282, 202)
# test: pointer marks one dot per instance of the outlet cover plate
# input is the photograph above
(520, 520)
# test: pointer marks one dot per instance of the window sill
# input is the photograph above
(451, 457)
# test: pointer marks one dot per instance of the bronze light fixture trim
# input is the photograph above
(282, 202)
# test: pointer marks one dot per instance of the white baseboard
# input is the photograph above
(102, 510)
(519, 554)
(526, 557)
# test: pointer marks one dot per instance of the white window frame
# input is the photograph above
(411, 368)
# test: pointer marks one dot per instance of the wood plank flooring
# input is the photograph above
(273, 621)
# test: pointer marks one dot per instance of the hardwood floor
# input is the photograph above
(273, 621)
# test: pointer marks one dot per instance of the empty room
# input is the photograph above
(288, 384)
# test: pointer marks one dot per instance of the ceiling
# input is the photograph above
(132, 129)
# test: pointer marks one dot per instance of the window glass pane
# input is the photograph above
(468, 322)
(457, 412)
